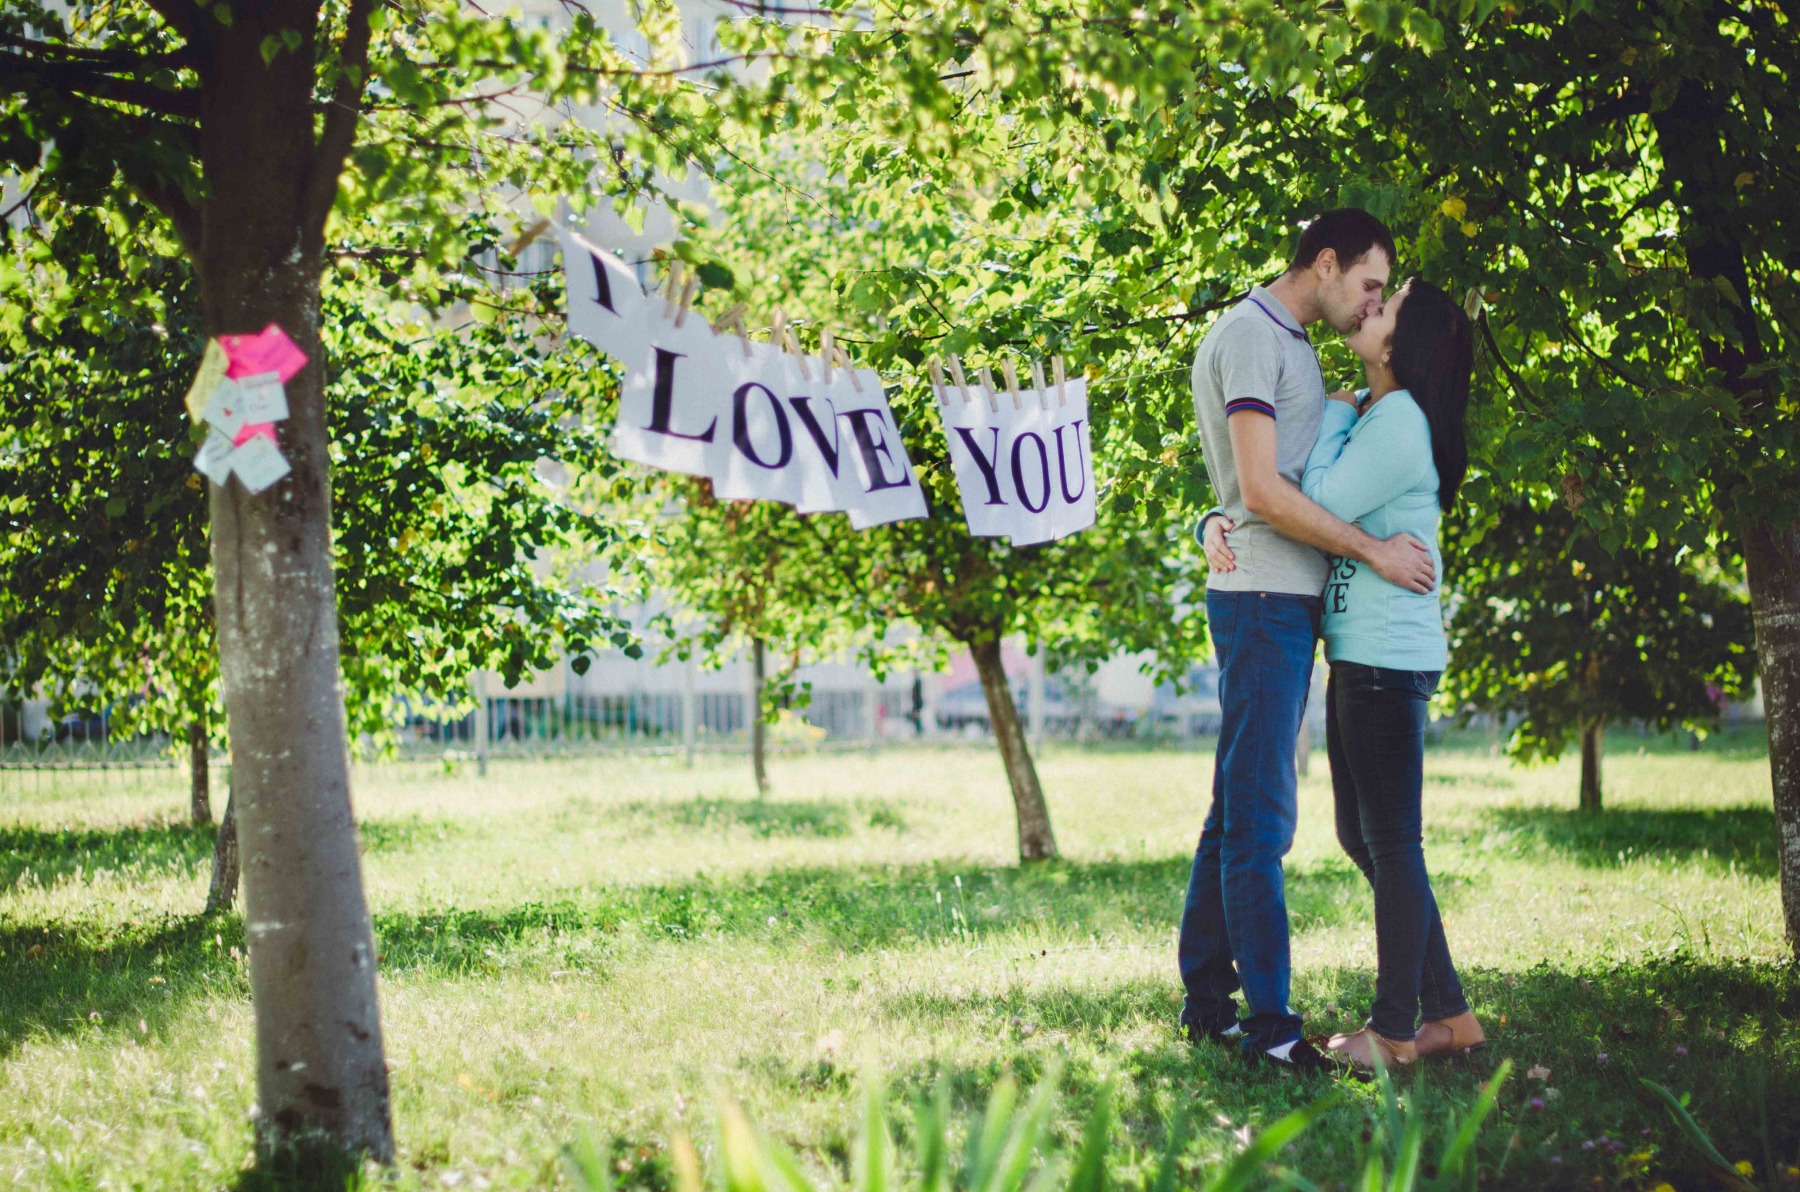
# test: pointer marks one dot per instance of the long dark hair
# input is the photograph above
(1433, 354)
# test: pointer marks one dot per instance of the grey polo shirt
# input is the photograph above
(1257, 360)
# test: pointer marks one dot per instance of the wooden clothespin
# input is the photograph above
(734, 320)
(993, 390)
(849, 367)
(937, 381)
(962, 382)
(793, 346)
(687, 298)
(1012, 380)
(826, 353)
(1037, 382)
(527, 237)
(672, 289)
(776, 326)
(1062, 390)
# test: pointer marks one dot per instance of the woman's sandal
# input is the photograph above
(1361, 1048)
(1460, 1035)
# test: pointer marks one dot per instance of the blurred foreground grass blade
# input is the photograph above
(781, 1169)
(872, 1155)
(740, 1168)
(1459, 1164)
(1089, 1172)
(586, 1164)
(986, 1144)
(1028, 1130)
(1247, 1167)
(1406, 1160)
(1723, 1169)
(1166, 1172)
(932, 1127)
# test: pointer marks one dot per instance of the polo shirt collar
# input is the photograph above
(1272, 307)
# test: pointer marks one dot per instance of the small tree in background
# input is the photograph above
(1549, 627)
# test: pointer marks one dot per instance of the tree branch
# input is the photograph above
(113, 61)
(342, 114)
(76, 79)
(184, 16)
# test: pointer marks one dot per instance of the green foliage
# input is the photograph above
(1549, 627)
(1010, 1149)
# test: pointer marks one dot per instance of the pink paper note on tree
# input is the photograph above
(254, 430)
(269, 350)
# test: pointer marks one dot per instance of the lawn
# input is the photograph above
(613, 946)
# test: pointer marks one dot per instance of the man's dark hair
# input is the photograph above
(1348, 231)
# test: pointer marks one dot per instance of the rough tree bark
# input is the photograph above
(199, 777)
(1693, 135)
(258, 251)
(1036, 841)
(759, 730)
(222, 891)
(1593, 745)
(1772, 559)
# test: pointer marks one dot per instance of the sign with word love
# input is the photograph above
(1023, 459)
(762, 423)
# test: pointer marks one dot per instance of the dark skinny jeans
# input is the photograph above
(1375, 736)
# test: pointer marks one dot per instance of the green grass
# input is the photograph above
(611, 947)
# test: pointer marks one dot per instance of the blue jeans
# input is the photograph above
(1234, 926)
(1375, 734)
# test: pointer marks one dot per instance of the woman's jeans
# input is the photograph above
(1375, 735)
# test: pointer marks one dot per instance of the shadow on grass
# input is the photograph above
(1722, 838)
(57, 981)
(46, 855)
(852, 908)
(1723, 1033)
(763, 817)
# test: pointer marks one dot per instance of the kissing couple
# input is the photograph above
(1327, 526)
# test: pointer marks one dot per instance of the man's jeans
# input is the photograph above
(1236, 903)
(1375, 733)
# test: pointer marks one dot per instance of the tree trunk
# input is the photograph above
(1036, 841)
(1697, 155)
(1772, 560)
(759, 730)
(199, 777)
(224, 888)
(321, 1080)
(1593, 744)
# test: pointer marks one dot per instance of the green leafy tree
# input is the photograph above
(1620, 177)
(1550, 629)
(248, 129)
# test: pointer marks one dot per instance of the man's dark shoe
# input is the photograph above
(1227, 1031)
(1299, 1057)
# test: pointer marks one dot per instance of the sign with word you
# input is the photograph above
(1023, 460)
(760, 422)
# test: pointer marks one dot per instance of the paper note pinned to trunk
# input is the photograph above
(259, 463)
(263, 398)
(269, 350)
(213, 363)
(214, 458)
(225, 409)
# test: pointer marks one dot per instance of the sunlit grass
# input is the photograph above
(614, 944)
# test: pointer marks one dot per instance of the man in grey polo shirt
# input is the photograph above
(1259, 395)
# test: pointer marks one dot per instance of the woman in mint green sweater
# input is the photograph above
(1390, 459)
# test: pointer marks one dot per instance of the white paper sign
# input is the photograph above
(772, 451)
(214, 458)
(225, 408)
(607, 306)
(262, 398)
(1025, 470)
(259, 463)
(675, 413)
(888, 490)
